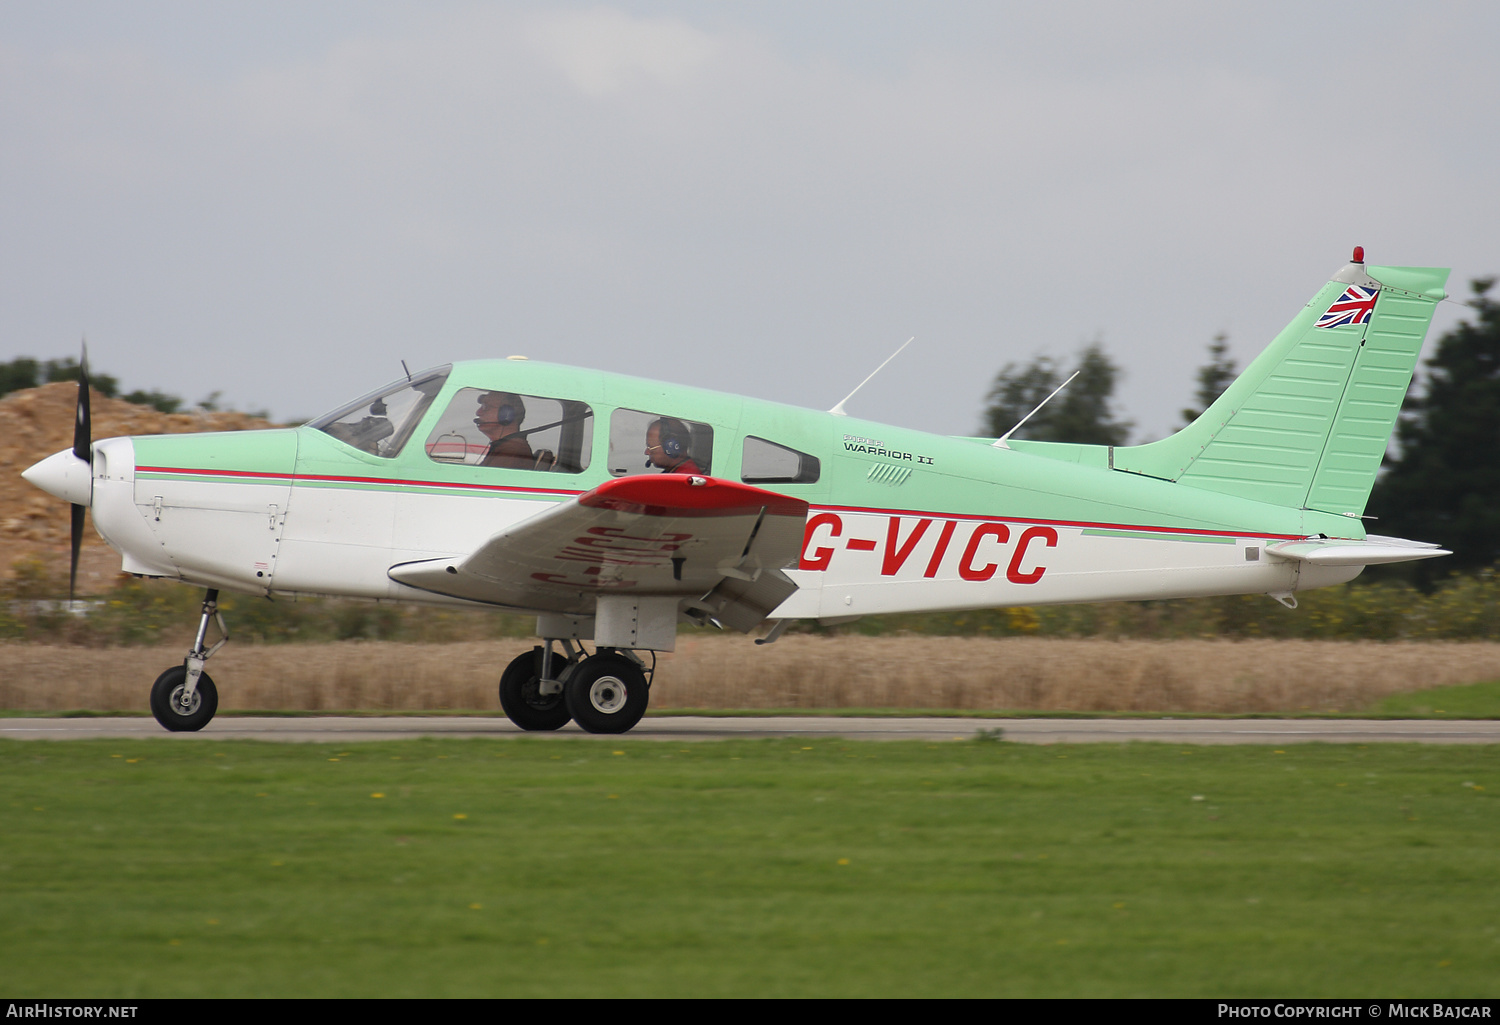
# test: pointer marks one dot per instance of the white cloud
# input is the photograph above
(600, 187)
(602, 51)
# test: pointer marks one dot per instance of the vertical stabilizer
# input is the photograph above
(1306, 425)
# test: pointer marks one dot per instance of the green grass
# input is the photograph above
(555, 867)
(1463, 701)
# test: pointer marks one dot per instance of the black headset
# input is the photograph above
(672, 434)
(507, 413)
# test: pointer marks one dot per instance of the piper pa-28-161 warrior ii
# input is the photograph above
(521, 486)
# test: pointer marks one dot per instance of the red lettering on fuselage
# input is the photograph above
(978, 563)
(966, 568)
(1013, 571)
(941, 549)
(895, 557)
(821, 556)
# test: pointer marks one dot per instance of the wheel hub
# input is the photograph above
(185, 707)
(534, 697)
(607, 694)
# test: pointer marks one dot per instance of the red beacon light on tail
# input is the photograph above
(1359, 254)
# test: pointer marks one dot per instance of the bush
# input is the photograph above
(33, 607)
(1463, 608)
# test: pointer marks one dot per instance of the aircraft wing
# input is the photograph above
(718, 544)
(1374, 550)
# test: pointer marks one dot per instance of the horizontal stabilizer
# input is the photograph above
(1373, 551)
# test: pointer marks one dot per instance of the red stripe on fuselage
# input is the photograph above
(331, 479)
(568, 493)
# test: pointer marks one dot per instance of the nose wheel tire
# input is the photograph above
(172, 712)
(521, 696)
(607, 694)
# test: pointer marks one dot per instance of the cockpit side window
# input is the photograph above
(641, 442)
(509, 430)
(380, 423)
(766, 462)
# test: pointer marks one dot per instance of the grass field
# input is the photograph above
(552, 867)
(801, 672)
(1465, 701)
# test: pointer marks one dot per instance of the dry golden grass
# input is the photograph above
(797, 672)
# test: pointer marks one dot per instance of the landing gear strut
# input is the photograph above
(184, 698)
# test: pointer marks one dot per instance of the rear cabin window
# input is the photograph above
(766, 462)
(508, 430)
(641, 442)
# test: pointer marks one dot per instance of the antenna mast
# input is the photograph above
(838, 410)
(1000, 441)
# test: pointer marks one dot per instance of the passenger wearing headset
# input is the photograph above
(669, 446)
(500, 416)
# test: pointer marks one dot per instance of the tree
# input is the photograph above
(1081, 413)
(1443, 483)
(1213, 377)
(18, 375)
(26, 372)
(159, 401)
(66, 369)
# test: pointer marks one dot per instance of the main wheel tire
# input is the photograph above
(521, 696)
(607, 694)
(166, 694)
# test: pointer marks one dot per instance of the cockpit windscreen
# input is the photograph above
(380, 423)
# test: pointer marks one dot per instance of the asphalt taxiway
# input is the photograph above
(351, 729)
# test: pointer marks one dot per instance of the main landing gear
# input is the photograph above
(606, 692)
(184, 698)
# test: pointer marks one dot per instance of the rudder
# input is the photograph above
(1307, 423)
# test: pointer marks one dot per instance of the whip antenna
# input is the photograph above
(838, 410)
(1000, 441)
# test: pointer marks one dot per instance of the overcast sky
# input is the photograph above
(282, 201)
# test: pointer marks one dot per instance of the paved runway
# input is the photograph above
(345, 730)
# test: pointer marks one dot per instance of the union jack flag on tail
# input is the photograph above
(1353, 307)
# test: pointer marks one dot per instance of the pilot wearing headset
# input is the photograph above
(669, 446)
(499, 418)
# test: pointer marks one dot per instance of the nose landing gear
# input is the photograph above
(184, 698)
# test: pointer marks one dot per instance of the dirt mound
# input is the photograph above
(37, 422)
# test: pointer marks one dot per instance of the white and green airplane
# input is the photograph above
(615, 508)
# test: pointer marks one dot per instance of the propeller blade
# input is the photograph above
(83, 430)
(83, 448)
(77, 539)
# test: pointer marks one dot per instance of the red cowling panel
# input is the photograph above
(688, 495)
